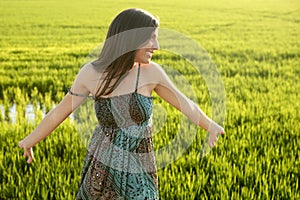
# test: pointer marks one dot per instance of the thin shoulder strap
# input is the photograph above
(80, 95)
(137, 79)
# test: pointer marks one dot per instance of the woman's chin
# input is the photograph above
(144, 61)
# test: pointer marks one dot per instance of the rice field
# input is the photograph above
(255, 46)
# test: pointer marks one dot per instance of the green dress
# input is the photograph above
(120, 161)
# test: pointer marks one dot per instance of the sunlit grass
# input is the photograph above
(254, 44)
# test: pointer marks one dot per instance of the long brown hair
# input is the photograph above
(127, 32)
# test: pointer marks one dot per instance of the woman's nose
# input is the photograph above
(155, 44)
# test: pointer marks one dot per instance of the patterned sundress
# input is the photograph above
(120, 161)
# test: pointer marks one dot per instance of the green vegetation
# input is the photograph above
(256, 47)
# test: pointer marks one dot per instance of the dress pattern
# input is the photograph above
(120, 161)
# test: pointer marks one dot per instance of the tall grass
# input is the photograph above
(254, 44)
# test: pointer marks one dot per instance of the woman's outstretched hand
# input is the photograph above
(27, 151)
(214, 131)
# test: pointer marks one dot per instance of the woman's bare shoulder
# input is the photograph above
(154, 72)
(152, 67)
(88, 71)
(87, 68)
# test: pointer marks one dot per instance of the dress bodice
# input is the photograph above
(124, 110)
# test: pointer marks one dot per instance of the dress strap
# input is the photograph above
(80, 95)
(137, 79)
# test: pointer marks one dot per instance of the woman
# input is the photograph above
(120, 162)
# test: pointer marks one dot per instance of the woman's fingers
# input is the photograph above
(214, 138)
(27, 152)
(30, 159)
(215, 130)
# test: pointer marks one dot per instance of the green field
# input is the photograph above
(256, 47)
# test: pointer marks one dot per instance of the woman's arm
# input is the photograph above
(167, 91)
(55, 117)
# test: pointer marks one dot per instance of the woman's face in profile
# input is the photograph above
(144, 53)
